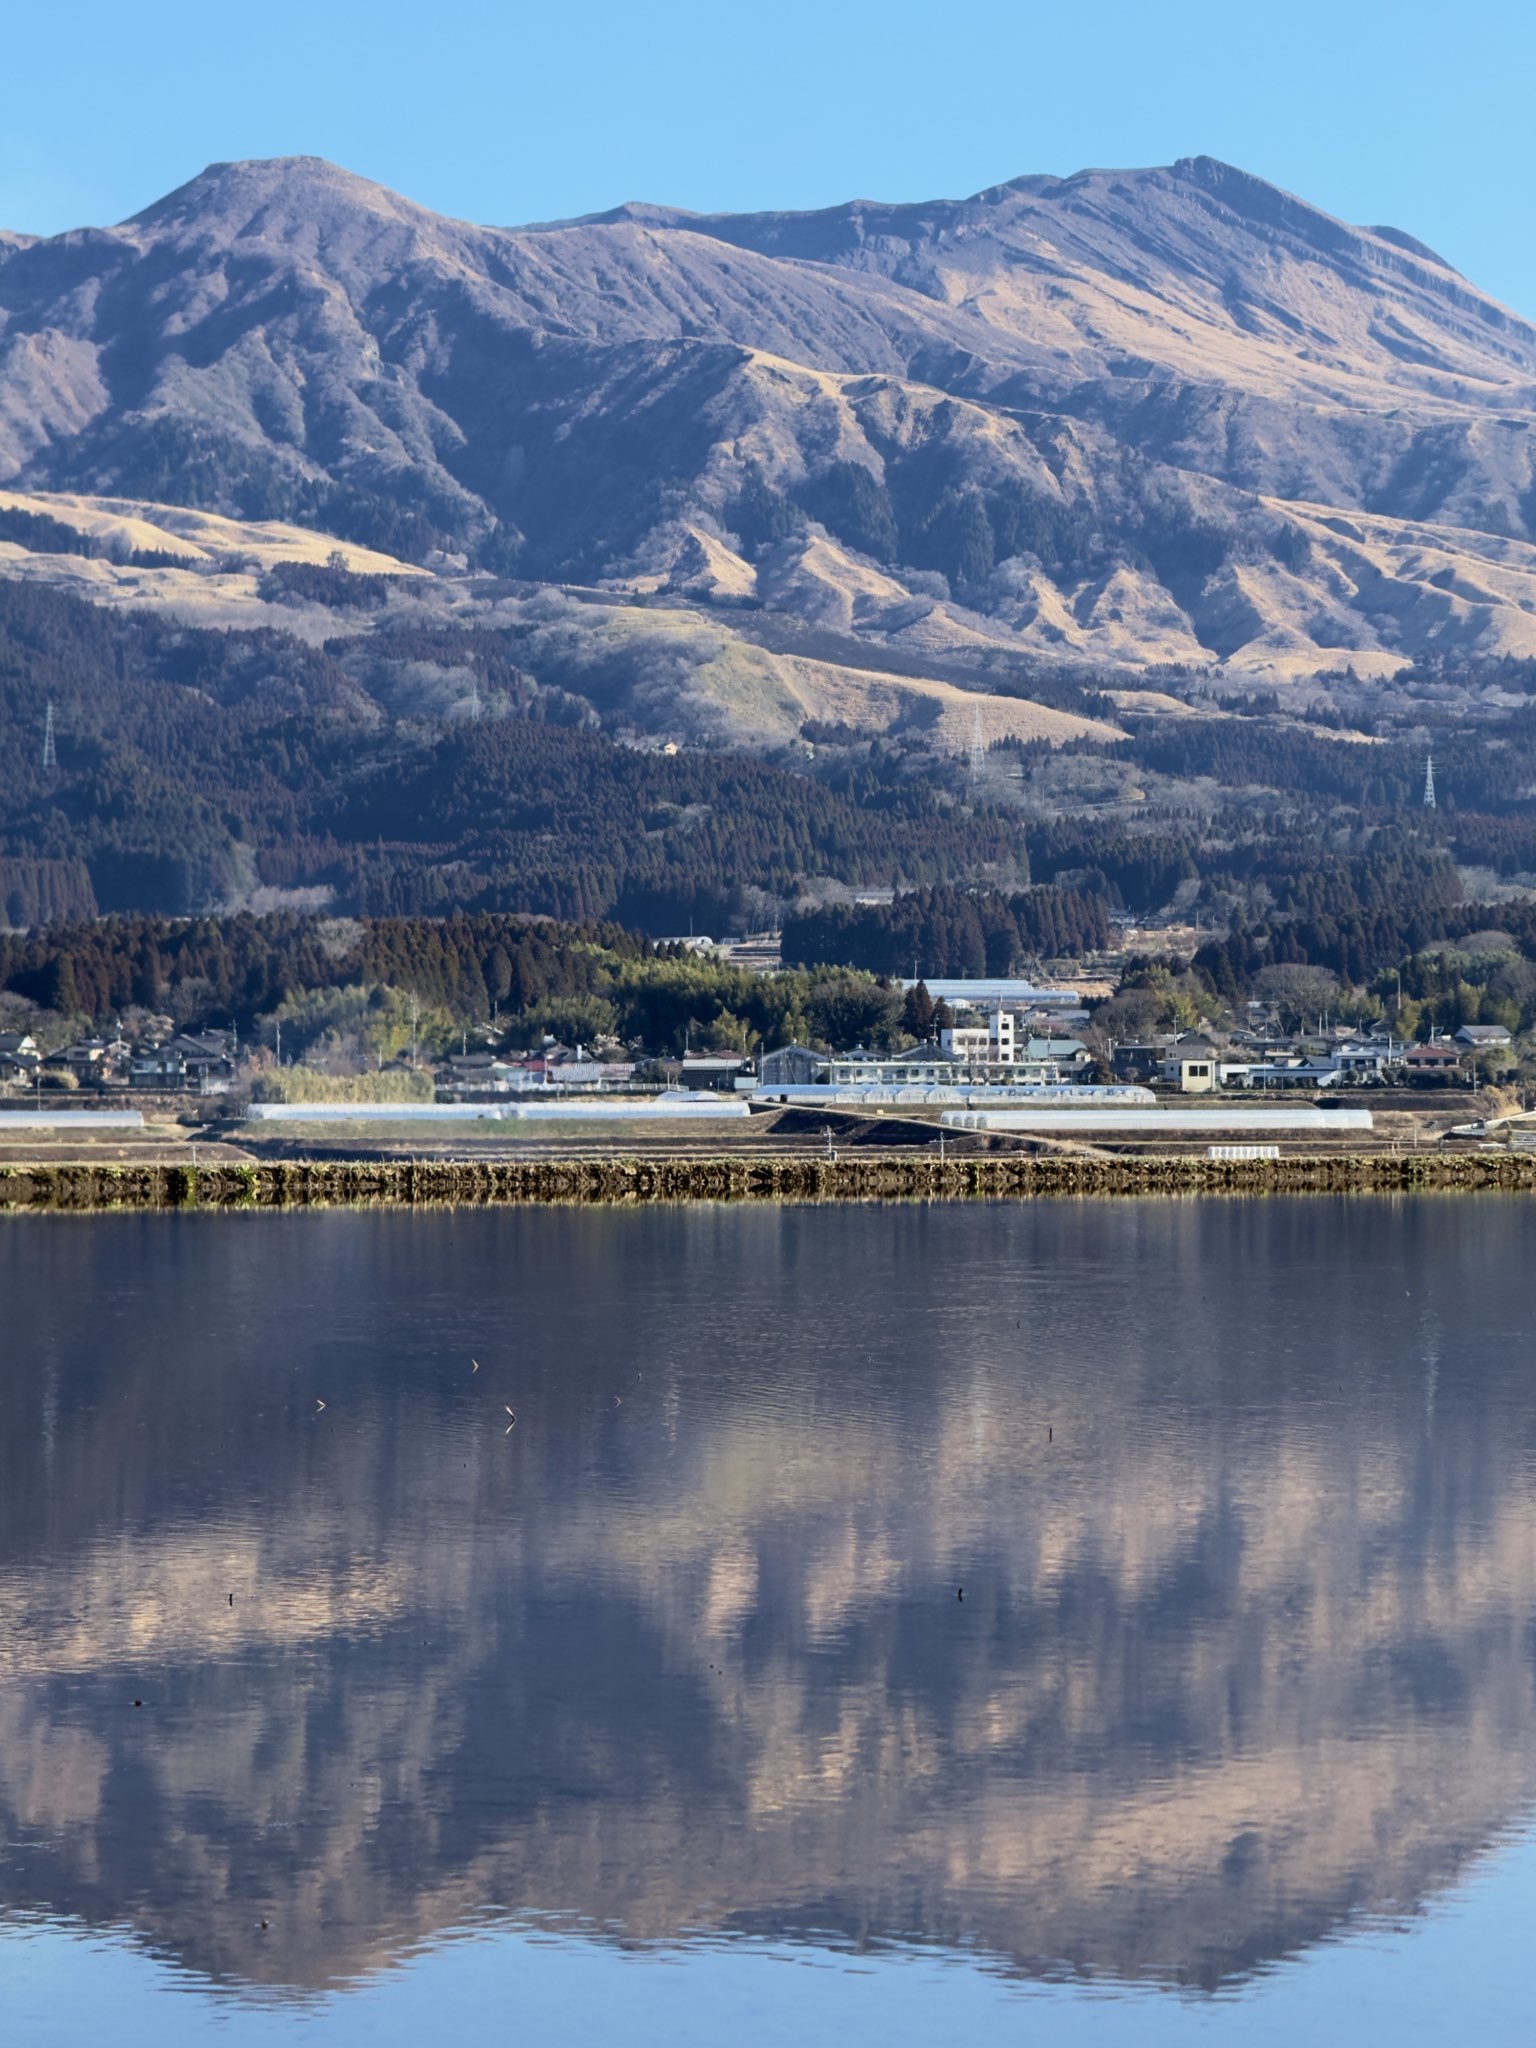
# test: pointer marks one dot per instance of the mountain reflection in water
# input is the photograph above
(1242, 1498)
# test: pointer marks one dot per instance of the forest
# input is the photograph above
(195, 765)
(947, 931)
(322, 978)
(199, 770)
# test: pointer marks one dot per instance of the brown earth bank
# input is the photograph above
(870, 1177)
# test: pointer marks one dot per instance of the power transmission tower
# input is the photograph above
(1429, 782)
(50, 751)
(978, 748)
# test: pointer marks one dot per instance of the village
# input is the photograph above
(989, 1037)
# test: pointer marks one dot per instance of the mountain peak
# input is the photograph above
(234, 194)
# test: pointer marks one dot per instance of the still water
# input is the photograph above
(657, 1714)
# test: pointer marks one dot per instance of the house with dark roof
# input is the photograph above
(19, 1059)
(198, 1063)
(90, 1060)
(1437, 1061)
(1482, 1037)
(715, 1071)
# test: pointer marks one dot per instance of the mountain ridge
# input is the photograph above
(1096, 415)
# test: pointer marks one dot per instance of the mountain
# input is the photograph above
(1168, 416)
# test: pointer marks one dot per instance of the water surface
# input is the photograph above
(659, 1714)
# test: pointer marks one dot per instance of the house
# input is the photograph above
(1264, 1045)
(90, 1060)
(206, 1052)
(1365, 1058)
(576, 1073)
(1436, 1061)
(712, 1071)
(1303, 1073)
(554, 1066)
(195, 1062)
(1137, 1061)
(475, 1067)
(18, 1056)
(1483, 1037)
(157, 1066)
(1189, 1064)
(1193, 1076)
(80, 1058)
(1067, 1052)
(478, 1071)
(791, 1066)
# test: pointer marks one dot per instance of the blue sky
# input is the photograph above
(1415, 114)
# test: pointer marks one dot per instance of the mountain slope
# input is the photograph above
(1115, 417)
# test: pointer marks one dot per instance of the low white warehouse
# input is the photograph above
(689, 1109)
(700, 1108)
(1172, 1123)
(72, 1119)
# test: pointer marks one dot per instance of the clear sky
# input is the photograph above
(1416, 114)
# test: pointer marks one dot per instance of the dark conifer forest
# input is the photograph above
(196, 765)
(204, 772)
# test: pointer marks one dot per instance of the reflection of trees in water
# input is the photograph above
(1244, 1642)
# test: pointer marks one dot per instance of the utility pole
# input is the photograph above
(50, 751)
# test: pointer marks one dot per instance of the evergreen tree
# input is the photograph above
(917, 1012)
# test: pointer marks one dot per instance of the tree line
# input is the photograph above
(526, 975)
(948, 932)
(193, 763)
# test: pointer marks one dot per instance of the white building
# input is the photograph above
(796, 1066)
(991, 1041)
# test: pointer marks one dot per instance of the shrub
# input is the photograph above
(308, 1084)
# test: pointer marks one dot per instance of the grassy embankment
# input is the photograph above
(269, 1184)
